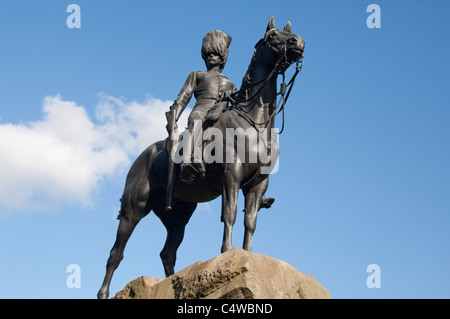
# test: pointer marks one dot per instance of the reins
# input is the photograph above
(284, 97)
(283, 94)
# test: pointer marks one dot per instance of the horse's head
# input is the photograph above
(280, 48)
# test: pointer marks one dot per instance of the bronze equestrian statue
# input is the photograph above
(253, 109)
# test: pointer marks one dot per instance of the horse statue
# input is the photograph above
(253, 109)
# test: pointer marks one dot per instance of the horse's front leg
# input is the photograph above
(229, 203)
(253, 198)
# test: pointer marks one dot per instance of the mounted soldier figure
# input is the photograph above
(210, 89)
(253, 110)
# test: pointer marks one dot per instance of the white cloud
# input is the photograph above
(63, 156)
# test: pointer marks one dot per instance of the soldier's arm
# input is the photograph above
(231, 96)
(185, 95)
(233, 90)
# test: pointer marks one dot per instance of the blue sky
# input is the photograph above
(363, 177)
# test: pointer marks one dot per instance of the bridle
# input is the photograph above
(279, 68)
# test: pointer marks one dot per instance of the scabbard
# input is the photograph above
(173, 134)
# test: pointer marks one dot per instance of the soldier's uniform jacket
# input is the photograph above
(208, 87)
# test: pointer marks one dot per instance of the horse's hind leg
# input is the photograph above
(130, 214)
(175, 223)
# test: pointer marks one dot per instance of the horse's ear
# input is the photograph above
(271, 24)
(288, 27)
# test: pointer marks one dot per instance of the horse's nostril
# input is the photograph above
(293, 40)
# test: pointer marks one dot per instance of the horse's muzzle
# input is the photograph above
(294, 49)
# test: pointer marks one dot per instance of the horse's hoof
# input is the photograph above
(267, 202)
(102, 295)
(225, 249)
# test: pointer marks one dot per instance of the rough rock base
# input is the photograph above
(235, 274)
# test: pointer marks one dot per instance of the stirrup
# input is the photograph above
(189, 172)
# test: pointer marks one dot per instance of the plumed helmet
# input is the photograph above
(217, 42)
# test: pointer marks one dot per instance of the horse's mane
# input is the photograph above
(220, 108)
(247, 80)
